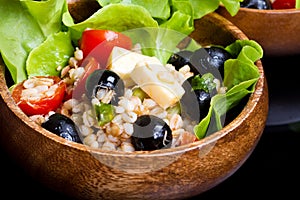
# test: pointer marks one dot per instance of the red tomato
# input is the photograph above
(99, 43)
(284, 4)
(90, 66)
(40, 102)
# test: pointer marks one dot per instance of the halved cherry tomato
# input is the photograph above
(90, 66)
(99, 44)
(39, 96)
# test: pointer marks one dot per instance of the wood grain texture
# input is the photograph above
(83, 173)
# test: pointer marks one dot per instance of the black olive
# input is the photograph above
(257, 4)
(151, 133)
(189, 105)
(217, 57)
(62, 126)
(203, 98)
(195, 103)
(180, 59)
(105, 80)
(209, 60)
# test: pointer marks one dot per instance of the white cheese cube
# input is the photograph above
(123, 61)
(157, 82)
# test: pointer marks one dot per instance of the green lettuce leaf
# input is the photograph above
(159, 10)
(109, 18)
(181, 22)
(47, 14)
(240, 77)
(232, 6)
(243, 67)
(203, 7)
(53, 52)
(27, 24)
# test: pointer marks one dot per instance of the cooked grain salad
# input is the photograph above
(116, 129)
(135, 102)
(124, 83)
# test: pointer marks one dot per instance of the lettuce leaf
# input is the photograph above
(240, 77)
(47, 14)
(109, 18)
(157, 9)
(232, 6)
(27, 24)
(203, 7)
(58, 48)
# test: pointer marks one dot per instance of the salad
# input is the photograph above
(123, 83)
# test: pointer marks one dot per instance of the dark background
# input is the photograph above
(271, 171)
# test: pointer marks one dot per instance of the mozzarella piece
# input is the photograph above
(123, 61)
(159, 83)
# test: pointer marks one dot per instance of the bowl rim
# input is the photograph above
(208, 140)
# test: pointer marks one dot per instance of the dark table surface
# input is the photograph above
(271, 171)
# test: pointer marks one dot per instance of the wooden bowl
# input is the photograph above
(277, 31)
(83, 173)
